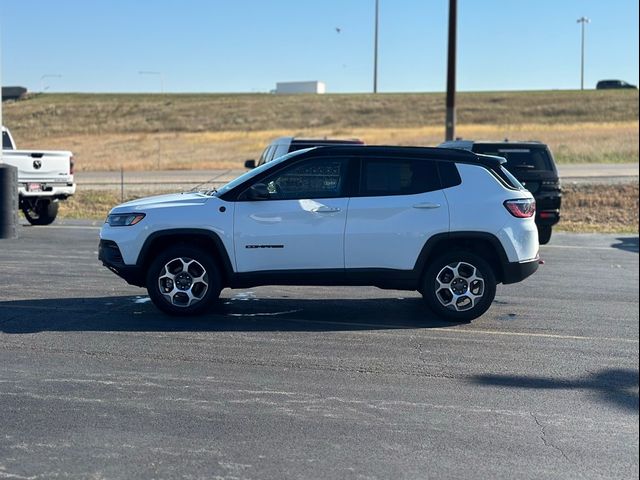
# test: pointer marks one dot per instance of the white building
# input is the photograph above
(300, 87)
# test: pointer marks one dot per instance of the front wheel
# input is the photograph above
(183, 280)
(41, 212)
(459, 286)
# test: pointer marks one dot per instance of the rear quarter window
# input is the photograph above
(449, 175)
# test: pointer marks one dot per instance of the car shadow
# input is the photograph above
(134, 314)
(629, 244)
(615, 386)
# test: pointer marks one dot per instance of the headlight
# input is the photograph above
(124, 219)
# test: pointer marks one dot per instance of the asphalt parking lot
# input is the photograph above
(290, 382)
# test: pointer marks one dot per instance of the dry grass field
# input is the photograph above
(209, 131)
(147, 132)
(600, 208)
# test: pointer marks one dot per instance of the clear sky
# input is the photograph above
(249, 45)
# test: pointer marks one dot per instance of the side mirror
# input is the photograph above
(250, 164)
(258, 191)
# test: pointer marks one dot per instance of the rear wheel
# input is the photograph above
(459, 286)
(183, 280)
(544, 234)
(40, 212)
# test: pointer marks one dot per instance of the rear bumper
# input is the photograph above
(53, 190)
(110, 256)
(548, 207)
(514, 272)
(547, 217)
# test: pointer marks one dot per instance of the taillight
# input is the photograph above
(71, 165)
(521, 208)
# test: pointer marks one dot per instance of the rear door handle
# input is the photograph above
(325, 209)
(427, 205)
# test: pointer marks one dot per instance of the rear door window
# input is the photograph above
(397, 176)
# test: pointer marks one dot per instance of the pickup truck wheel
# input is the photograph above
(41, 212)
(459, 286)
(544, 234)
(183, 280)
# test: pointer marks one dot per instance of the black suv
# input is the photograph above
(533, 165)
(609, 84)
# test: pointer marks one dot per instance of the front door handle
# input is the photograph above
(325, 209)
(427, 205)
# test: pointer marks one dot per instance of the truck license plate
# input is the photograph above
(34, 187)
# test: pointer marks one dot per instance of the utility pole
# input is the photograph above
(1, 124)
(450, 122)
(375, 51)
(583, 21)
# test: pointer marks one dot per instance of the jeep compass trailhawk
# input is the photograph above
(450, 224)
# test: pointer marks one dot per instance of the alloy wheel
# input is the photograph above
(459, 286)
(183, 282)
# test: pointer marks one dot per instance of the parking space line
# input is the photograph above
(68, 227)
(463, 331)
(380, 326)
(576, 247)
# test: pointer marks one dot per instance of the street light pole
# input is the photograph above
(450, 122)
(583, 21)
(375, 52)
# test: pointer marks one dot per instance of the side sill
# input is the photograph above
(381, 278)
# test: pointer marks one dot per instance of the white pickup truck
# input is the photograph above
(44, 178)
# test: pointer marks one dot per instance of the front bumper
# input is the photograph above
(110, 256)
(514, 272)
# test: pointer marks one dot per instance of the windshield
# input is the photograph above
(6, 141)
(518, 157)
(257, 171)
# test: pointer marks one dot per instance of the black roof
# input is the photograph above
(432, 153)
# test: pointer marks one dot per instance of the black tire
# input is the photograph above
(43, 212)
(453, 270)
(185, 293)
(544, 234)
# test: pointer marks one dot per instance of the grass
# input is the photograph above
(207, 131)
(578, 143)
(52, 115)
(585, 208)
(600, 208)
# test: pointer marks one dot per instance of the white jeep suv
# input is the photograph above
(448, 223)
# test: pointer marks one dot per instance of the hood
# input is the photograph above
(163, 201)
